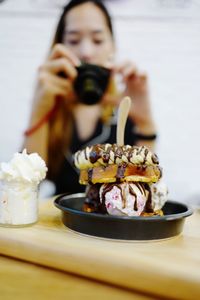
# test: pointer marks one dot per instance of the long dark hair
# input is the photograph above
(60, 126)
(58, 38)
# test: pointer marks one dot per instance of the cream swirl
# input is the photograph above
(107, 154)
(24, 167)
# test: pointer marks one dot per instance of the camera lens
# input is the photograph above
(91, 83)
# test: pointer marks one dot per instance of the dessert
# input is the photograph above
(121, 180)
(19, 180)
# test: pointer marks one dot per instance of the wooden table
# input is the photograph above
(47, 260)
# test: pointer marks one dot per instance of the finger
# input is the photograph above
(55, 90)
(59, 50)
(143, 77)
(109, 64)
(60, 65)
(52, 83)
(130, 71)
(121, 68)
(60, 82)
(141, 81)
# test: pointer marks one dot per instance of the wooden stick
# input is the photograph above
(123, 111)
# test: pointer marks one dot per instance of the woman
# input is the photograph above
(60, 124)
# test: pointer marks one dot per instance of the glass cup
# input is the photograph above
(18, 203)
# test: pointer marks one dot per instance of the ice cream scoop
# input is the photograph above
(132, 199)
(159, 194)
(124, 198)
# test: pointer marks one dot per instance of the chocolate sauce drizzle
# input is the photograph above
(104, 152)
(107, 189)
(120, 171)
(95, 154)
(90, 173)
(148, 207)
(131, 191)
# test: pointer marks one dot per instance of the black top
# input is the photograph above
(67, 180)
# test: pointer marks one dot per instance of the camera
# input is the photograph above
(91, 83)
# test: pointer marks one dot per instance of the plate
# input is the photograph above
(123, 228)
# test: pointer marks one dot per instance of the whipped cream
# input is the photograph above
(18, 203)
(24, 167)
(19, 180)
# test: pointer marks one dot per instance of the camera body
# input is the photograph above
(91, 83)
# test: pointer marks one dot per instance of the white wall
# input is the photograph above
(162, 37)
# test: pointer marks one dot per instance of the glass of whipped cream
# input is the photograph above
(19, 184)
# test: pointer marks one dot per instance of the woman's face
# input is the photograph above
(87, 34)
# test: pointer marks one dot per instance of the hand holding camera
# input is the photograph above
(50, 84)
(64, 75)
(136, 87)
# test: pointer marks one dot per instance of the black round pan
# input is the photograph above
(123, 228)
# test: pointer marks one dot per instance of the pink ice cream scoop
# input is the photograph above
(124, 198)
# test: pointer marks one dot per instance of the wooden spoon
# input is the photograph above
(123, 111)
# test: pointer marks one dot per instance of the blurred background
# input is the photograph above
(161, 36)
